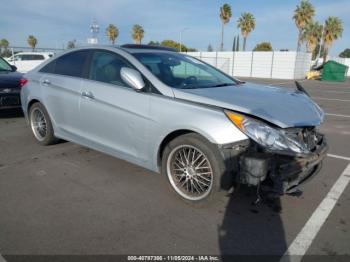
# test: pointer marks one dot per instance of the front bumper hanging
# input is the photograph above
(277, 173)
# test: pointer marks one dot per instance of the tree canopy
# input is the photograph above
(345, 53)
(172, 44)
(264, 46)
(112, 33)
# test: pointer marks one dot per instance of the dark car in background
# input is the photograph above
(10, 86)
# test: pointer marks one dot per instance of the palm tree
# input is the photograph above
(112, 33)
(247, 24)
(333, 30)
(4, 43)
(225, 15)
(312, 35)
(32, 41)
(137, 33)
(303, 15)
(71, 44)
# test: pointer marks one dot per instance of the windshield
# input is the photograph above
(182, 71)
(4, 66)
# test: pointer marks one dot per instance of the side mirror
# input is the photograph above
(14, 68)
(132, 77)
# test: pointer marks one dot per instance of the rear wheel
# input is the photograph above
(40, 124)
(194, 168)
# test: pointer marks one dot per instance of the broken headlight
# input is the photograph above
(265, 135)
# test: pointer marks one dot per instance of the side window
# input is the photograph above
(49, 68)
(38, 57)
(27, 57)
(105, 67)
(71, 64)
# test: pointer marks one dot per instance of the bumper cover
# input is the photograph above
(280, 174)
(10, 100)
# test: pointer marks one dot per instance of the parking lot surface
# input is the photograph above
(68, 199)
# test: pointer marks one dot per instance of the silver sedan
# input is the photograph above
(203, 130)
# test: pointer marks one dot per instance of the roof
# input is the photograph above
(34, 53)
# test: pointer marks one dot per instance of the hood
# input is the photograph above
(9, 79)
(284, 107)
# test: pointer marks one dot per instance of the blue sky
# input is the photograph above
(56, 22)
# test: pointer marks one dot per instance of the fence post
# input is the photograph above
(216, 59)
(233, 62)
(272, 61)
(295, 65)
(251, 64)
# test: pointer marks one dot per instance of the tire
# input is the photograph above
(204, 176)
(41, 125)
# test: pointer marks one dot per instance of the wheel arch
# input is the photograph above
(32, 102)
(171, 136)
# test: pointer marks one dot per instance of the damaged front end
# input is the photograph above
(275, 160)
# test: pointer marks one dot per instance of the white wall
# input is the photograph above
(279, 65)
(262, 64)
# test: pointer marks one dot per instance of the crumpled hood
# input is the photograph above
(283, 107)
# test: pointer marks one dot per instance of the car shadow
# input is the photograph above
(11, 113)
(250, 231)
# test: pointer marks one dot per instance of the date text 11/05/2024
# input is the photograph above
(174, 258)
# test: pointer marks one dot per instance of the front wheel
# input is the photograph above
(194, 168)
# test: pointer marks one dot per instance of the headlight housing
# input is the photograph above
(270, 138)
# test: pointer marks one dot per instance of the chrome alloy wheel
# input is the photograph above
(38, 124)
(189, 172)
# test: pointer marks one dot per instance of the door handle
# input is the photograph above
(46, 82)
(86, 94)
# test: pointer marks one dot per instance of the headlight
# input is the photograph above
(265, 135)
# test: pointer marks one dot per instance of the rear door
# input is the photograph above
(61, 84)
(115, 117)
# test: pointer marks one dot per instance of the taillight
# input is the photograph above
(23, 82)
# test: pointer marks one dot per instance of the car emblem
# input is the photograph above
(6, 90)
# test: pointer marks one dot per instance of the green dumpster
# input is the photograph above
(333, 71)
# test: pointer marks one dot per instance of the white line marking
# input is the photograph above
(339, 157)
(304, 239)
(328, 114)
(331, 99)
(335, 92)
(2, 259)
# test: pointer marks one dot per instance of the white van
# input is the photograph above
(26, 61)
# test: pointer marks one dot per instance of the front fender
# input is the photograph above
(172, 115)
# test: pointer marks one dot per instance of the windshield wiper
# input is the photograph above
(223, 84)
(189, 87)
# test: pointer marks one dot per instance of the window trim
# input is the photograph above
(151, 89)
